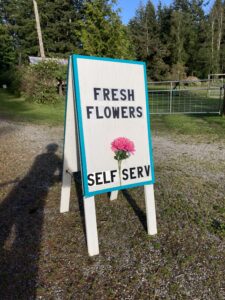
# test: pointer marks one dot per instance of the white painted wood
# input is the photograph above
(65, 192)
(113, 195)
(97, 135)
(150, 209)
(71, 156)
(91, 226)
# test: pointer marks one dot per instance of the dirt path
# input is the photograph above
(43, 254)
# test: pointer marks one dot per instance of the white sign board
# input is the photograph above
(108, 125)
(114, 124)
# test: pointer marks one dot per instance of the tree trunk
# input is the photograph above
(220, 28)
(212, 46)
(41, 46)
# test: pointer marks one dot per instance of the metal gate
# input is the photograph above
(186, 97)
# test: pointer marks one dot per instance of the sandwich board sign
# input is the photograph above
(107, 135)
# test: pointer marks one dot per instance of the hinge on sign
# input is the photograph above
(68, 171)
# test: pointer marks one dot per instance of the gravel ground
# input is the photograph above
(43, 253)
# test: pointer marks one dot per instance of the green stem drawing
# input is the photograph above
(119, 167)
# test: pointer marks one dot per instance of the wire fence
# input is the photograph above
(186, 97)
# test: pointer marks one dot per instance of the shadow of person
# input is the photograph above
(21, 221)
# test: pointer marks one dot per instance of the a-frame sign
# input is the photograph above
(107, 135)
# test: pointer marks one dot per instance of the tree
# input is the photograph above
(68, 26)
(102, 32)
(178, 30)
(188, 35)
(217, 27)
(60, 22)
(144, 31)
(18, 16)
(7, 54)
(197, 45)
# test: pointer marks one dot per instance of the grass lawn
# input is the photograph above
(211, 127)
(17, 109)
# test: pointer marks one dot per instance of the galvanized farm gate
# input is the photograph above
(186, 97)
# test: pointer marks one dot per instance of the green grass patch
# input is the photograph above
(18, 109)
(193, 125)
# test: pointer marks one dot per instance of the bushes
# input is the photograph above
(43, 82)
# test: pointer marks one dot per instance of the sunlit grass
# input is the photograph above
(16, 108)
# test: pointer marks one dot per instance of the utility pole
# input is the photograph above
(41, 46)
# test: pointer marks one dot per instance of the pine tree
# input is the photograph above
(217, 28)
(7, 53)
(60, 26)
(144, 30)
(102, 32)
(188, 36)
(18, 16)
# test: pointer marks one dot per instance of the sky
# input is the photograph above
(128, 7)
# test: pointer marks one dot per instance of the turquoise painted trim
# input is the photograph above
(149, 126)
(80, 126)
(65, 112)
(126, 61)
(86, 191)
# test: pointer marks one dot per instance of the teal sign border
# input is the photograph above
(86, 191)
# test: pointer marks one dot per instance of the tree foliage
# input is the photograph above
(68, 26)
(175, 41)
(102, 32)
(40, 82)
(191, 42)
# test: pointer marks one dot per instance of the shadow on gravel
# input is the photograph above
(139, 213)
(21, 221)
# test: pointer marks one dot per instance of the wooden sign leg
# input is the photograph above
(113, 195)
(91, 226)
(71, 153)
(150, 209)
(65, 191)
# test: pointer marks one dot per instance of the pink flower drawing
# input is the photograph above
(122, 148)
(123, 144)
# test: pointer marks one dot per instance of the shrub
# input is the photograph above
(43, 82)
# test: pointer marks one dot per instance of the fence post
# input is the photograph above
(171, 96)
(223, 105)
(208, 92)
